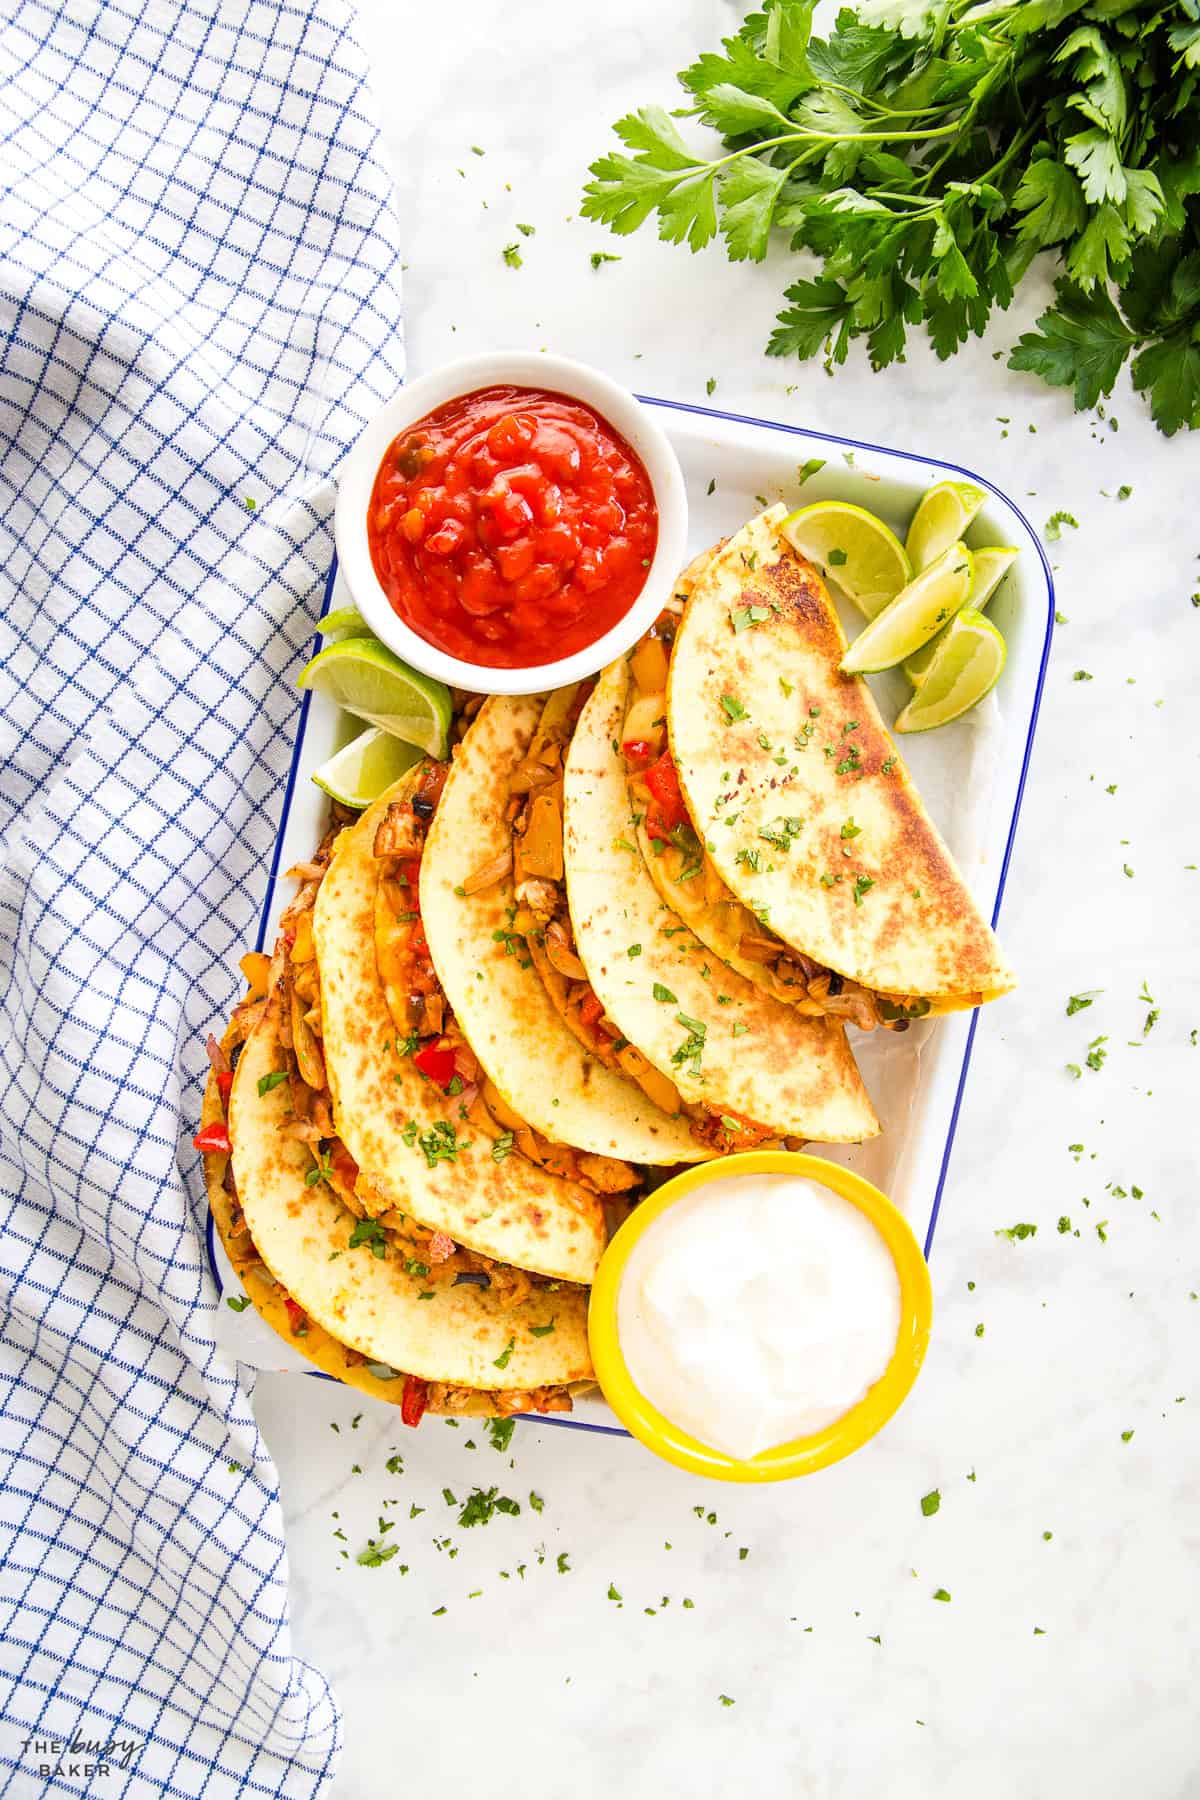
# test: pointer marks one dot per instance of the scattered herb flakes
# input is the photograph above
(850, 829)
(562, 1563)
(813, 466)
(1073, 1070)
(537, 1503)
(376, 1552)
(1125, 1436)
(614, 1593)
(712, 486)
(733, 709)
(930, 1502)
(941, 1594)
(1095, 1053)
(1016, 1232)
(710, 386)
(503, 1146)
(541, 1331)
(1077, 1002)
(979, 1329)
(1064, 1224)
(525, 230)
(482, 1504)
(512, 255)
(1055, 523)
(726, 1700)
(600, 256)
(664, 994)
(500, 1432)
(502, 1361)
(237, 1302)
(748, 617)
(692, 1047)
(267, 1082)
(862, 885)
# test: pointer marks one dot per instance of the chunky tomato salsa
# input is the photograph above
(511, 527)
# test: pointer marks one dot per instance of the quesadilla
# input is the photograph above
(538, 1071)
(407, 1099)
(803, 806)
(346, 1298)
(748, 1068)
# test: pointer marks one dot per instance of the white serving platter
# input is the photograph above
(971, 775)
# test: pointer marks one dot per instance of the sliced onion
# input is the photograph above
(489, 873)
(217, 1056)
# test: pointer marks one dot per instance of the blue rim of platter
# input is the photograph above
(824, 437)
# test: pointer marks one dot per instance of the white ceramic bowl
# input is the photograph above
(515, 368)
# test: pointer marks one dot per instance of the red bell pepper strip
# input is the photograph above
(638, 753)
(225, 1085)
(414, 1400)
(436, 1061)
(297, 1317)
(213, 1137)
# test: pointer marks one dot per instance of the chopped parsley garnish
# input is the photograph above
(502, 1146)
(862, 885)
(1081, 675)
(664, 993)
(601, 256)
(483, 1503)
(500, 1432)
(413, 1266)
(748, 859)
(930, 1502)
(237, 1302)
(851, 761)
(941, 1594)
(1095, 1054)
(812, 467)
(371, 1233)
(748, 616)
(502, 1361)
(733, 709)
(512, 255)
(885, 768)
(782, 832)
(562, 1561)
(376, 1552)
(634, 950)
(440, 1143)
(850, 829)
(267, 1082)
(1077, 1002)
(1014, 1232)
(692, 1047)
(322, 1172)
(1055, 523)
(540, 1331)
(837, 559)
(407, 1046)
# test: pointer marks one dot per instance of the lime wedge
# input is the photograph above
(364, 768)
(941, 520)
(916, 614)
(969, 660)
(991, 566)
(363, 677)
(343, 621)
(852, 547)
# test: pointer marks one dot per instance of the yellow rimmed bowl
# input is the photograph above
(802, 1456)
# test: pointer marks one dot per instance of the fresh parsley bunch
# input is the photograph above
(926, 153)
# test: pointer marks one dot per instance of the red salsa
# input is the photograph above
(511, 527)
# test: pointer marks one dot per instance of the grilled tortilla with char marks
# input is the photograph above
(804, 805)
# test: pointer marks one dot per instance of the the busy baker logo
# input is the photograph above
(80, 1757)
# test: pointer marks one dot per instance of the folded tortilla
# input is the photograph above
(415, 1150)
(356, 1301)
(727, 1046)
(799, 794)
(490, 978)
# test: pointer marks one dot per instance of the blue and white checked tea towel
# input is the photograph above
(199, 304)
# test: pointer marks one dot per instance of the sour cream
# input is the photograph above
(758, 1309)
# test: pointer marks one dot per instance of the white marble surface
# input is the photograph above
(546, 1687)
